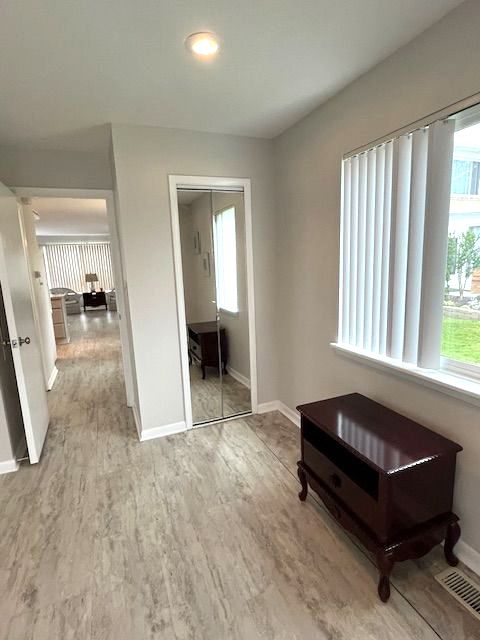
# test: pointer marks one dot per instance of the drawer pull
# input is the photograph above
(336, 480)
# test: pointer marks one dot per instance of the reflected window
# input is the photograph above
(225, 246)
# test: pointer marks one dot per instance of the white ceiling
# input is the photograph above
(70, 216)
(68, 67)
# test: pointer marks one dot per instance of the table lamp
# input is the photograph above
(92, 278)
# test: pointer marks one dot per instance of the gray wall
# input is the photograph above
(59, 169)
(144, 157)
(199, 290)
(438, 68)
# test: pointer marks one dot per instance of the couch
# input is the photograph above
(73, 300)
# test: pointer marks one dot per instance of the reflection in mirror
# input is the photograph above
(212, 231)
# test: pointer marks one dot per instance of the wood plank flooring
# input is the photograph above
(207, 397)
(195, 536)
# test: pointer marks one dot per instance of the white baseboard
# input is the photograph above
(468, 556)
(51, 380)
(278, 405)
(239, 377)
(138, 422)
(165, 430)
(8, 466)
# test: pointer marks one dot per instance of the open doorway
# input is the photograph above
(73, 238)
(78, 299)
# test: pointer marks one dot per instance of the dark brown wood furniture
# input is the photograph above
(385, 478)
(94, 299)
(203, 345)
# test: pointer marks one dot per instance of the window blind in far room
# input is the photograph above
(66, 264)
(394, 230)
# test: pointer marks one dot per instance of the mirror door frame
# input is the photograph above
(215, 184)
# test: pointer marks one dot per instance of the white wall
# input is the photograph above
(438, 68)
(144, 157)
(41, 295)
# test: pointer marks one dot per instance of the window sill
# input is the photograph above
(454, 385)
(227, 312)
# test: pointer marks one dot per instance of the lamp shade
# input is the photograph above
(91, 277)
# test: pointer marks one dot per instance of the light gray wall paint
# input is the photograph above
(438, 68)
(144, 157)
(58, 169)
(188, 260)
(200, 291)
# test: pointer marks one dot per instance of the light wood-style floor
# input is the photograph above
(196, 536)
(214, 398)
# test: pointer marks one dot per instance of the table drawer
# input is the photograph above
(60, 330)
(357, 498)
(57, 316)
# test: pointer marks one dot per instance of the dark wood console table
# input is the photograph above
(203, 345)
(385, 478)
(94, 299)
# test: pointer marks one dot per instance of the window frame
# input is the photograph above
(455, 378)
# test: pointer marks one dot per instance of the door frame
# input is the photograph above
(217, 184)
(117, 264)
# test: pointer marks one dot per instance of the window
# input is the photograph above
(461, 308)
(66, 264)
(465, 176)
(225, 246)
(410, 250)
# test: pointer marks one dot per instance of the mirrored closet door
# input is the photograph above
(212, 232)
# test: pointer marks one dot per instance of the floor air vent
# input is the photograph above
(462, 588)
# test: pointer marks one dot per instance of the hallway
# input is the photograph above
(195, 536)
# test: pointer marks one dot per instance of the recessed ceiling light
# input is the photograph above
(203, 44)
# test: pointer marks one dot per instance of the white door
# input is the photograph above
(22, 328)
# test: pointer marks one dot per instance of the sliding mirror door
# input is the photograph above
(228, 221)
(212, 233)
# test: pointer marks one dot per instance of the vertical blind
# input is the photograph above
(66, 264)
(394, 230)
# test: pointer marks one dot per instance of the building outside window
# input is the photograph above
(461, 316)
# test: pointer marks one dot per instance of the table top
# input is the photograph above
(204, 327)
(385, 439)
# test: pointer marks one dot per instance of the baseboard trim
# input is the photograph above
(8, 466)
(239, 377)
(468, 556)
(138, 422)
(51, 380)
(161, 432)
(278, 405)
